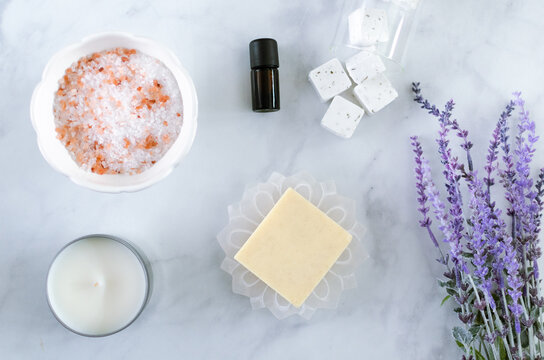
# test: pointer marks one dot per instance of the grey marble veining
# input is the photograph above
(475, 51)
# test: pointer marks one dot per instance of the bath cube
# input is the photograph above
(342, 117)
(364, 65)
(368, 26)
(329, 79)
(375, 93)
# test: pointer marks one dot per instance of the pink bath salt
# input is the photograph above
(118, 111)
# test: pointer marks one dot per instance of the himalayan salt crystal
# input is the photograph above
(118, 111)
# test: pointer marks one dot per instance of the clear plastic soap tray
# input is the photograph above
(246, 215)
(400, 16)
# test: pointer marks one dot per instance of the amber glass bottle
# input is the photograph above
(265, 82)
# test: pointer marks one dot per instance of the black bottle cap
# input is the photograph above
(263, 52)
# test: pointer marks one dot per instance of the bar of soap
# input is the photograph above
(375, 93)
(329, 79)
(364, 65)
(342, 117)
(368, 26)
(294, 247)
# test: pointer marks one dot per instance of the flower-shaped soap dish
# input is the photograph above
(245, 216)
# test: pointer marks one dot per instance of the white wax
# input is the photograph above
(96, 286)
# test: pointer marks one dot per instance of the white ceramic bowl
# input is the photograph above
(41, 113)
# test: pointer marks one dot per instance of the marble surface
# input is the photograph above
(475, 51)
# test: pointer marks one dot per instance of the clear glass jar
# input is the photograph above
(400, 14)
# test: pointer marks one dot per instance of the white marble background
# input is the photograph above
(475, 51)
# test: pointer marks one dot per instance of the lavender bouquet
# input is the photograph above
(491, 271)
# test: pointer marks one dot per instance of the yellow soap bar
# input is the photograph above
(294, 247)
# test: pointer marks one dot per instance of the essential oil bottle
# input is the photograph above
(265, 81)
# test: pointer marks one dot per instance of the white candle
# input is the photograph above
(97, 285)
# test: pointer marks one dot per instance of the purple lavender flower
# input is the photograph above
(525, 151)
(496, 229)
(514, 281)
(444, 117)
(508, 176)
(451, 168)
(487, 255)
(441, 215)
(526, 208)
(540, 190)
(499, 135)
(479, 241)
(539, 199)
(466, 145)
(422, 197)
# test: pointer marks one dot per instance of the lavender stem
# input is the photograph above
(487, 327)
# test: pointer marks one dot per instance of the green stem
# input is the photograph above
(539, 316)
(487, 327)
(530, 330)
(508, 352)
(485, 349)
(510, 333)
(490, 317)
(463, 311)
(499, 324)
(525, 270)
(520, 350)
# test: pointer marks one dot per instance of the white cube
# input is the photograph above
(329, 79)
(342, 117)
(375, 93)
(368, 26)
(364, 65)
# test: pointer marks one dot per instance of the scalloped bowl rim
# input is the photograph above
(54, 152)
